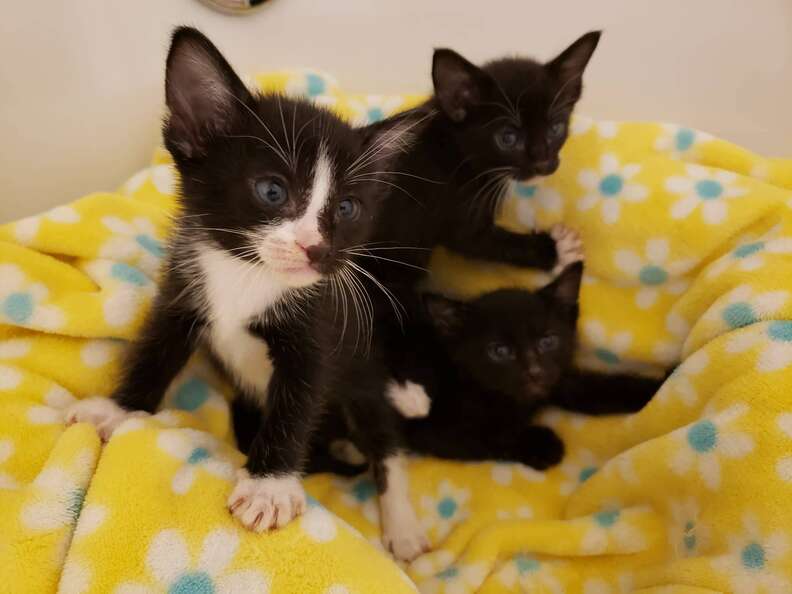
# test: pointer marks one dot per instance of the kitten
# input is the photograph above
(485, 127)
(274, 191)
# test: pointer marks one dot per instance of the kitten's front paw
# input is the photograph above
(410, 399)
(541, 447)
(569, 247)
(102, 413)
(264, 502)
(405, 538)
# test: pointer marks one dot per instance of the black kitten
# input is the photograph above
(274, 191)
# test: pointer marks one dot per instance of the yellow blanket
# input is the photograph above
(689, 256)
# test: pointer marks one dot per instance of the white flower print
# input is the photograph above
(680, 384)
(784, 464)
(169, 563)
(162, 176)
(743, 306)
(361, 493)
(529, 572)
(609, 186)
(703, 444)
(196, 450)
(654, 270)
(687, 535)
(604, 129)
(775, 338)
(136, 242)
(578, 467)
(756, 561)
(503, 474)
(373, 108)
(314, 85)
(611, 532)
(602, 349)
(750, 254)
(679, 141)
(704, 188)
(445, 510)
(456, 579)
(6, 451)
(24, 303)
(534, 196)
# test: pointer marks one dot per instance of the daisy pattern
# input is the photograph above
(163, 177)
(680, 384)
(529, 572)
(609, 186)
(361, 494)
(687, 535)
(784, 464)
(6, 451)
(446, 509)
(373, 108)
(503, 474)
(704, 188)
(197, 451)
(775, 338)
(456, 579)
(578, 468)
(134, 242)
(756, 561)
(602, 349)
(610, 532)
(750, 254)
(529, 198)
(703, 444)
(743, 306)
(654, 270)
(23, 303)
(314, 85)
(679, 141)
(172, 569)
(603, 129)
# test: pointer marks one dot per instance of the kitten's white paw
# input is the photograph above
(102, 413)
(404, 536)
(569, 247)
(409, 399)
(265, 502)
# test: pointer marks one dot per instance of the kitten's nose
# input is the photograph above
(317, 253)
(546, 167)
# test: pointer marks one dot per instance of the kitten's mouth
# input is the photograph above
(538, 169)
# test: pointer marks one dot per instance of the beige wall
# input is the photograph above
(80, 81)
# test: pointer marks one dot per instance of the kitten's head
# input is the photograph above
(278, 182)
(512, 113)
(513, 341)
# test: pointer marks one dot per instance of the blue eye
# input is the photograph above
(500, 352)
(271, 191)
(507, 138)
(548, 343)
(348, 208)
(556, 130)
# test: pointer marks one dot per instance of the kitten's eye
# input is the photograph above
(548, 343)
(507, 138)
(556, 130)
(500, 352)
(271, 191)
(348, 209)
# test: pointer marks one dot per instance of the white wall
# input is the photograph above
(81, 89)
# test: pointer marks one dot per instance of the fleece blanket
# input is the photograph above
(689, 259)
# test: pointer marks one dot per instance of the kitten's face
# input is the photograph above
(512, 341)
(277, 182)
(513, 114)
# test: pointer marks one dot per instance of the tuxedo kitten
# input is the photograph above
(273, 193)
(486, 127)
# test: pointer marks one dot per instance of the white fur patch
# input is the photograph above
(307, 226)
(265, 502)
(402, 533)
(409, 399)
(102, 413)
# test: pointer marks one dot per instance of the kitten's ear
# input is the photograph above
(569, 65)
(458, 84)
(383, 141)
(201, 90)
(566, 287)
(445, 313)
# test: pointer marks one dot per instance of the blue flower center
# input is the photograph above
(780, 331)
(199, 454)
(606, 356)
(611, 185)
(525, 191)
(526, 564)
(375, 114)
(446, 507)
(128, 274)
(587, 473)
(151, 245)
(753, 556)
(449, 573)
(315, 84)
(684, 139)
(652, 275)
(709, 189)
(194, 582)
(608, 518)
(364, 490)
(191, 395)
(703, 436)
(18, 307)
(748, 249)
(738, 315)
(689, 539)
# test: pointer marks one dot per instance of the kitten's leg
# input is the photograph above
(569, 247)
(604, 394)
(535, 249)
(409, 398)
(246, 418)
(167, 340)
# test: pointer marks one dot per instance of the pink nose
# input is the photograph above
(317, 253)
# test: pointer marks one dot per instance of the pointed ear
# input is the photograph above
(383, 141)
(566, 287)
(445, 313)
(458, 84)
(568, 66)
(202, 93)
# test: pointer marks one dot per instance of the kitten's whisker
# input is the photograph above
(279, 150)
(262, 141)
(379, 172)
(394, 301)
(361, 254)
(367, 307)
(391, 184)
